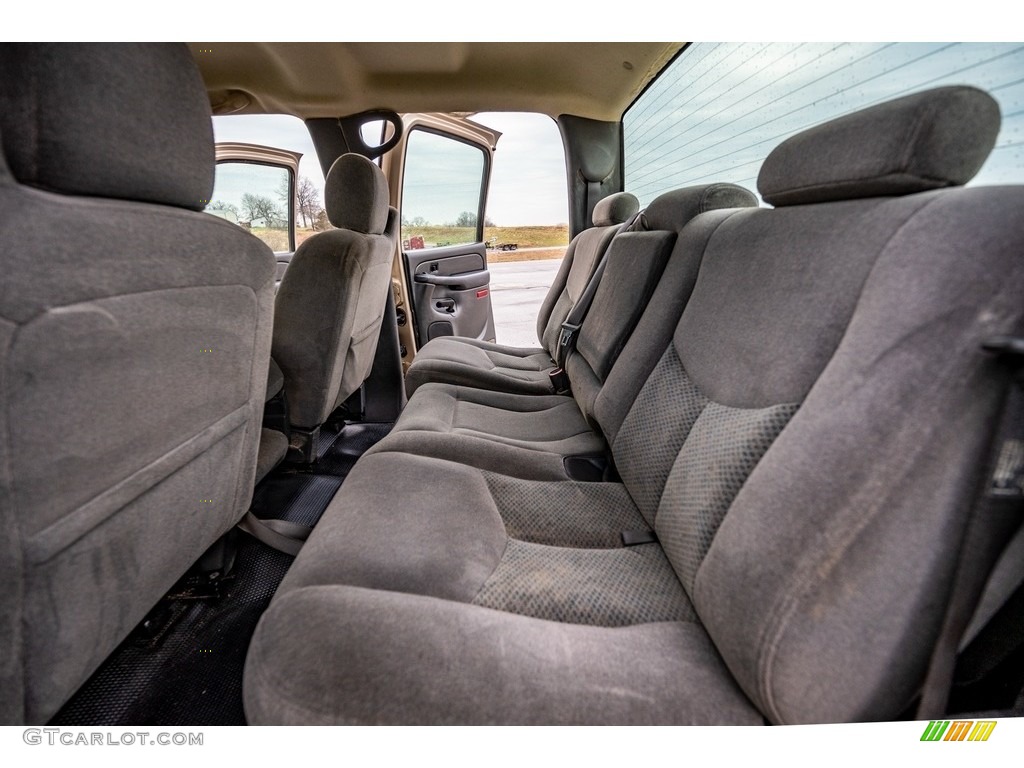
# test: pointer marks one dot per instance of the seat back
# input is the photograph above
(135, 342)
(581, 260)
(330, 305)
(824, 408)
(648, 272)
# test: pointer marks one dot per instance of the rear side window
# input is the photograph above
(716, 112)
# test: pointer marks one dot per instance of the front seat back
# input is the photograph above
(331, 301)
(134, 344)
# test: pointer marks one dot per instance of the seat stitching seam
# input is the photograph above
(775, 626)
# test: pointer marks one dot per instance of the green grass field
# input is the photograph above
(552, 239)
(524, 237)
(530, 237)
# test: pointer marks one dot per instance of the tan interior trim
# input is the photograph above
(597, 80)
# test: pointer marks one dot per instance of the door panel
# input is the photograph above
(451, 292)
(441, 170)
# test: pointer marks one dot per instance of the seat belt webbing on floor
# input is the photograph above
(280, 534)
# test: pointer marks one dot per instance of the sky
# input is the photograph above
(527, 182)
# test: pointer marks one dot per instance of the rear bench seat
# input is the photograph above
(805, 450)
(648, 275)
(460, 360)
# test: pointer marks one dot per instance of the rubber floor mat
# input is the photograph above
(183, 664)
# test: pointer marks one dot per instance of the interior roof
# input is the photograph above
(597, 80)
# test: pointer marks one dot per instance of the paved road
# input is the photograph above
(517, 290)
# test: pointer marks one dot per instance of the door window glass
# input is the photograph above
(442, 192)
(256, 197)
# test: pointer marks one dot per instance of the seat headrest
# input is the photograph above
(936, 138)
(615, 209)
(129, 121)
(672, 210)
(356, 195)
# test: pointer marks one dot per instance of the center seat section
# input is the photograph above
(797, 475)
(648, 275)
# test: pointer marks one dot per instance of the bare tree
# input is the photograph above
(307, 201)
(321, 222)
(220, 205)
(259, 207)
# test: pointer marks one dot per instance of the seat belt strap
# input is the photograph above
(996, 513)
(574, 320)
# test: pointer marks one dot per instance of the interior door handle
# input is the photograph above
(463, 282)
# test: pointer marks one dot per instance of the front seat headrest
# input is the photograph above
(356, 195)
(128, 121)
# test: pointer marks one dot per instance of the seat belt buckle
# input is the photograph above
(568, 333)
(559, 380)
(1011, 347)
(635, 538)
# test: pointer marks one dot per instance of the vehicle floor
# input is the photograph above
(183, 664)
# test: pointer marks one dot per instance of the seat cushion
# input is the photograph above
(469, 362)
(523, 435)
(466, 578)
(317, 658)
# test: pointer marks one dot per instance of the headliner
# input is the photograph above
(335, 79)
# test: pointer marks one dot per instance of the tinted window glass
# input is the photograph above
(717, 111)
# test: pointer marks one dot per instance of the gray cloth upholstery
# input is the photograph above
(481, 364)
(330, 304)
(804, 435)
(525, 434)
(273, 449)
(846, 531)
(647, 445)
(656, 327)
(506, 369)
(118, 120)
(633, 267)
(139, 335)
(671, 210)
(356, 195)
(648, 278)
(587, 516)
(605, 587)
(615, 209)
(932, 139)
(450, 547)
(374, 657)
(469, 362)
(275, 380)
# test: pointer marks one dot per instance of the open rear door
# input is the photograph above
(441, 170)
